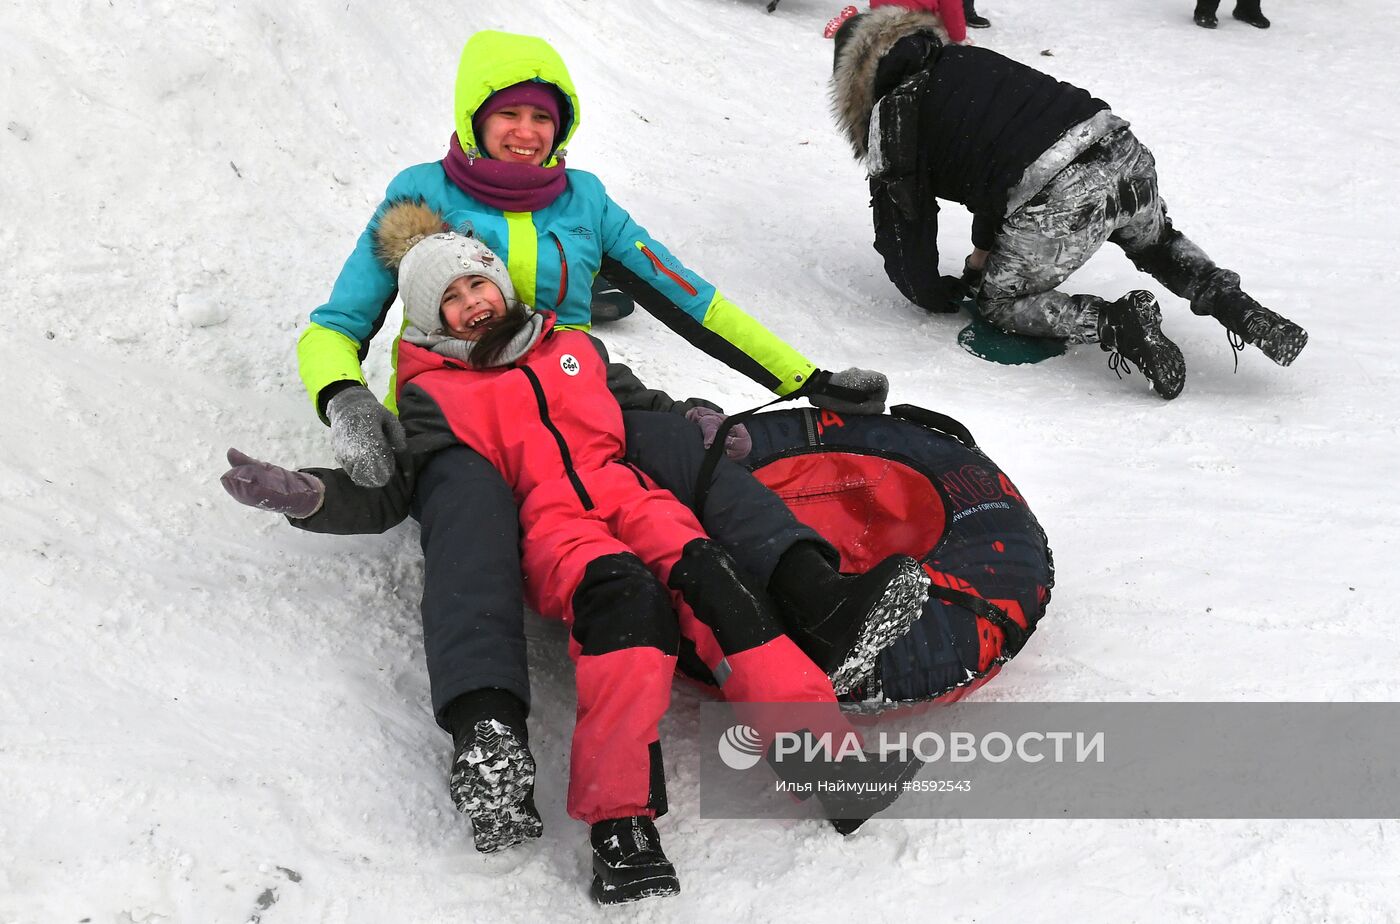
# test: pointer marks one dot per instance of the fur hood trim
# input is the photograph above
(858, 55)
(403, 224)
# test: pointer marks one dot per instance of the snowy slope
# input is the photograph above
(208, 716)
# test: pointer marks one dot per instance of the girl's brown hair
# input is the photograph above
(486, 352)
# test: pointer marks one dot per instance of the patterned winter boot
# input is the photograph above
(1130, 330)
(628, 864)
(833, 25)
(1248, 321)
(493, 774)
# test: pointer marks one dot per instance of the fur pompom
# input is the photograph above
(403, 224)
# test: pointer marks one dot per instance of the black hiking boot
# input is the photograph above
(493, 774)
(973, 20)
(493, 783)
(1247, 11)
(1250, 322)
(1130, 329)
(628, 864)
(843, 622)
(850, 790)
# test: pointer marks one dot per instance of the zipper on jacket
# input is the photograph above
(558, 438)
(665, 270)
(563, 272)
(636, 473)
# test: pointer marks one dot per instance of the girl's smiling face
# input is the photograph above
(470, 306)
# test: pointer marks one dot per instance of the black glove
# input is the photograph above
(364, 436)
(271, 487)
(955, 291)
(850, 391)
(972, 278)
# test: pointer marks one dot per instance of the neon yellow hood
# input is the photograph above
(494, 60)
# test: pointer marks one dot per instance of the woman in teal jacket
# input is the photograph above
(504, 181)
(555, 227)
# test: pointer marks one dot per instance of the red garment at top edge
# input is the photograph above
(950, 11)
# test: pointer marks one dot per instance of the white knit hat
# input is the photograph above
(434, 263)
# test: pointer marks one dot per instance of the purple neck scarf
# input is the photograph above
(508, 187)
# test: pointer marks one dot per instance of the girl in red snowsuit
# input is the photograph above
(600, 546)
(623, 563)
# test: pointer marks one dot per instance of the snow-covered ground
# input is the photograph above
(208, 716)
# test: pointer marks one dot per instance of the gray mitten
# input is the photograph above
(850, 391)
(271, 487)
(737, 442)
(364, 436)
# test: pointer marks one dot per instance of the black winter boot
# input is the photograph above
(870, 786)
(843, 622)
(1248, 321)
(973, 20)
(628, 864)
(707, 578)
(493, 773)
(1131, 330)
(850, 790)
(1248, 11)
(1205, 14)
(609, 302)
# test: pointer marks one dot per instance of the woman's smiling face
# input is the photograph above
(522, 134)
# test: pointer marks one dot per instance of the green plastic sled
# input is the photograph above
(986, 341)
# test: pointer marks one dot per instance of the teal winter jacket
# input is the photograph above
(552, 255)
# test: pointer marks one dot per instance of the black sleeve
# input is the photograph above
(330, 391)
(632, 395)
(905, 209)
(424, 423)
(985, 226)
(349, 509)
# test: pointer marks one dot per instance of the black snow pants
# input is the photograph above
(1109, 193)
(473, 628)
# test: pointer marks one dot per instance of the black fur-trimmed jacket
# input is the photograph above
(940, 121)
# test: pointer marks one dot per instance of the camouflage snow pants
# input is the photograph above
(1108, 194)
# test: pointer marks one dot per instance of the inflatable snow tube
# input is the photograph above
(914, 481)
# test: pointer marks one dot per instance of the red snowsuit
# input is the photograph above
(596, 535)
(950, 11)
